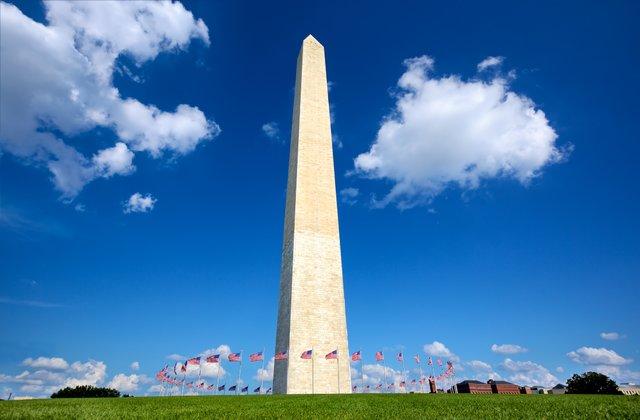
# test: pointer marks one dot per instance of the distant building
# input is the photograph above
(558, 389)
(503, 387)
(628, 388)
(473, 387)
(539, 390)
(525, 390)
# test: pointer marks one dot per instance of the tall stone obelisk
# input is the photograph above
(311, 312)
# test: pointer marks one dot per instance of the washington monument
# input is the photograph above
(311, 313)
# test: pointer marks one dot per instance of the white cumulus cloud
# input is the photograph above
(528, 373)
(139, 203)
(135, 366)
(266, 373)
(438, 349)
(453, 132)
(57, 83)
(508, 349)
(597, 356)
(46, 362)
(116, 160)
(128, 383)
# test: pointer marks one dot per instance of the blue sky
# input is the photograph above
(512, 223)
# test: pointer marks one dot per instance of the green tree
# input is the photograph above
(591, 383)
(86, 391)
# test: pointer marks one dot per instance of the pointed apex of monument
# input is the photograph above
(310, 40)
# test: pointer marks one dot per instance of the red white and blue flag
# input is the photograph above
(307, 354)
(282, 355)
(193, 361)
(235, 357)
(256, 357)
(332, 355)
(245, 389)
(214, 358)
(399, 357)
(429, 361)
(439, 362)
(379, 386)
(256, 390)
(417, 358)
(189, 384)
(221, 387)
(175, 369)
(210, 387)
(356, 356)
(379, 356)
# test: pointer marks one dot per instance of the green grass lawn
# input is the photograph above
(461, 406)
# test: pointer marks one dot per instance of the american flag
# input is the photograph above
(257, 389)
(367, 387)
(200, 385)
(221, 388)
(399, 357)
(379, 386)
(189, 384)
(429, 361)
(183, 368)
(439, 362)
(413, 382)
(449, 364)
(175, 369)
(354, 388)
(356, 356)
(417, 358)
(210, 387)
(306, 354)
(256, 357)
(282, 355)
(332, 355)
(402, 384)
(193, 361)
(234, 357)
(233, 387)
(214, 358)
(269, 391)
(379, 356)
(245, 389)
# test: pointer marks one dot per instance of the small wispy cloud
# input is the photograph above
(139, 203)
(271, 130)
(490, 61)
(349, 195)
(611, 336)
(34, 303)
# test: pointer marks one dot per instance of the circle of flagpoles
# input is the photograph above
(423, 375)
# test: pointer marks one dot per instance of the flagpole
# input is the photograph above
(184, 379)
(313, 391)
(239, 371)
(404, 373)
(218, 376)
(338, 365)
(421, 380)
(262, 376)
(384, 368)
(199, 374)
(362, 372)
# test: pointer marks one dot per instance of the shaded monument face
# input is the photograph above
(311, 310)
